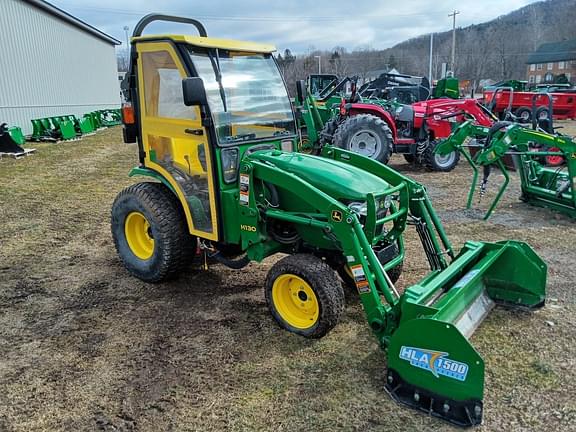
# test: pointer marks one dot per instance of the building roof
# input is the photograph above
(209, 42)
(554, 51)
(65, 16)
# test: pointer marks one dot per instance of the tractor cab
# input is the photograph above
(318, 83)
(201, 103)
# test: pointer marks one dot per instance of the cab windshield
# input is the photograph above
(246, 94)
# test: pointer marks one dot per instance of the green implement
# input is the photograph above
(549, 187)
(11, 139)
(54, 128)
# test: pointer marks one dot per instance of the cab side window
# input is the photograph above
(163, 87)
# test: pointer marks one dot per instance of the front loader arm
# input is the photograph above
(457, 139)
(516, 137)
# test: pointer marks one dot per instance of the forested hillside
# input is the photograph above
(495, 49)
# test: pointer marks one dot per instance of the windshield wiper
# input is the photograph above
(218, 75)
(242, 137)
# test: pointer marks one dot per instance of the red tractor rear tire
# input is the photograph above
(365, 134)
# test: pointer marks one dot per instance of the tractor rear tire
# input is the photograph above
(365, 134)
(150, 232)
(435, 162)
(304, 295)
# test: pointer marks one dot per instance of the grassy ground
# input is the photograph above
(83, 346)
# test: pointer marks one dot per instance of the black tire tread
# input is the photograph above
(365, 120)
(168, 218)
(323, 280)
(429, 162)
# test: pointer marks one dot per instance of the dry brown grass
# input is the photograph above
(83, 346)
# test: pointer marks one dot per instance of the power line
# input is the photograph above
(254, 18)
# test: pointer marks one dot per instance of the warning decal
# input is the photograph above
(360, 278)
(244, 189)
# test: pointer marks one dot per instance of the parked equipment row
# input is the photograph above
(69, 127)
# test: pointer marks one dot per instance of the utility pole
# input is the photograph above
(453, 15)
(431, 51)
(319, 64)
(126, 28)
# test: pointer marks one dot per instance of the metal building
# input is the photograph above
(52, 63)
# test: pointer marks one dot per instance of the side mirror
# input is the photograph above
(193, 91)
(301, 90)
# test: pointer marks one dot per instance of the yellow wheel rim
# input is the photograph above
(295, 301)
(139, 235)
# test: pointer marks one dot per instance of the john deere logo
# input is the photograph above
(336, 215)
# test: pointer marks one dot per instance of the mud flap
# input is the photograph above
(431, 364)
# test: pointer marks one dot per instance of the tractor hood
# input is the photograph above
(337, 179)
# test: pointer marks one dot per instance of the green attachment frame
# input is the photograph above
(541, 186)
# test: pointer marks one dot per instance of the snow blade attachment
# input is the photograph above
(431, 364)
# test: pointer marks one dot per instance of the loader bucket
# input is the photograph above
(10, 140)
(432, 366)
(85, 125)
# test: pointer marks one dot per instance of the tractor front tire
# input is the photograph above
(367, 135)
(304, 295)
(409, 157)
(150, 232)
(435, 162)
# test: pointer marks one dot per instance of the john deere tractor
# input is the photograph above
(216, 134)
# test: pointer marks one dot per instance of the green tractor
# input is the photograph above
(216, 137)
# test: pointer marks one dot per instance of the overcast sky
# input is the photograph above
(298, 25)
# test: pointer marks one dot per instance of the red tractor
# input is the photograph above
(377, 128)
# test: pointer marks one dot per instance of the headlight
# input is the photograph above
(359, 208)
(229, 159)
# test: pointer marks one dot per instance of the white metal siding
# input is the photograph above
(49, 67)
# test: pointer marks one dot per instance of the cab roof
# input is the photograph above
(209, 42)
